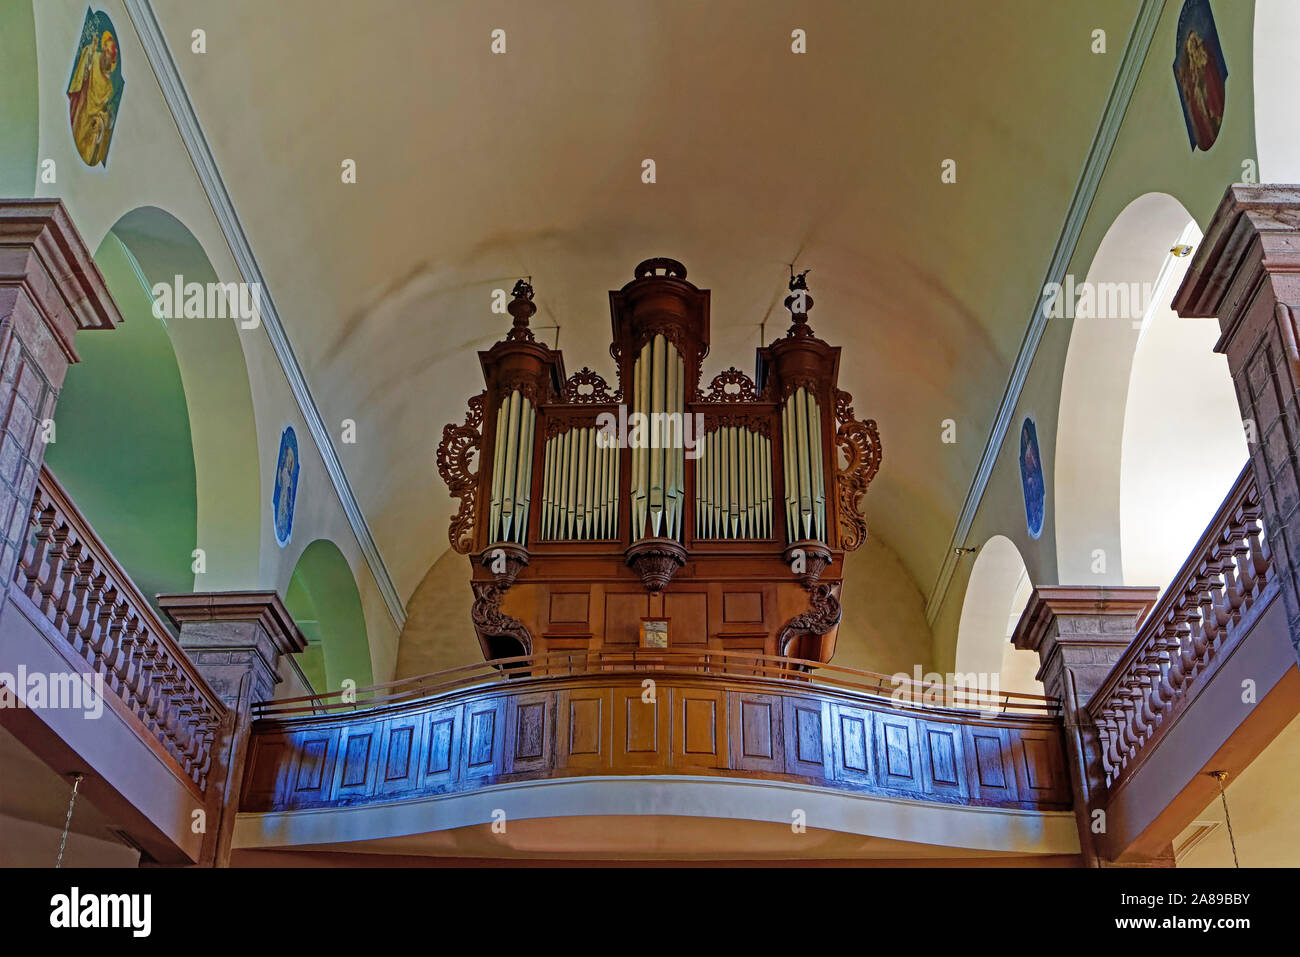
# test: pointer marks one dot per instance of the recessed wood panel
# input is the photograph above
(757, 739)
(699, 724)
(311, 765)
(440, 749)
(807, 737)
(484, 740)
(641, 727)
(897, 755)
(942, 759)
(569, 607)
(851, 733)
(688, 613)
(623, 614)
(584, 727)
(356, 770)
(528, 741)
(742, 606)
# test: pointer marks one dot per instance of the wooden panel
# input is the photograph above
(851, 748)
(399, 764)
(569, 607)
(742, 606)
(270, 761)
(1040, 766)
(699, 728)
(807, 737)
(943, 763)
(641, 728)
(440, 764)
(991, 774)
(584, 727)
(484, 738)
(529, 732)
(357, 764)
(757, 738)
(897, 752)
(623, 614)
(689, 615)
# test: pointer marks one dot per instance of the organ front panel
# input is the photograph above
(724, 509)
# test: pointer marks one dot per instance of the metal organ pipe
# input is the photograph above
(512, 469)
(805, 485)
(733, 484)
(658, 465)
(579, 487)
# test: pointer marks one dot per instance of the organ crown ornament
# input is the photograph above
(588, 508)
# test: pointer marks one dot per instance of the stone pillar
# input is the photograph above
(1079, 632)
(237, 640)
(49, 289)
(1246, 273)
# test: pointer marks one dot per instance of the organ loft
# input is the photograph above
(657, 512)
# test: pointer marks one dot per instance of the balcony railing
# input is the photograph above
(69, 580)
(1210, 604)
(649, 712)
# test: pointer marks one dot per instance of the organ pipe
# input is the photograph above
(733, 485)
(805, 485)
(512, 469)
(579, 487)
(658, 458)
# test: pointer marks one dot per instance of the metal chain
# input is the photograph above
(1221, 776)
(67, 823)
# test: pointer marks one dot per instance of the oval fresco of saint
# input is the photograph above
(95, 89)
(1031, 478)
(286, 485)
(1201, 73)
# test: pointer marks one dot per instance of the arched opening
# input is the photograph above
(323, 599)
(1277, 108)
(19, 105)
(155, 435)
(996, 595)
(1148, 439)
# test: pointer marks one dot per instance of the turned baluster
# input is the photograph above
(1261, 559)
(44, 523)
(149, 684)
(67, 576)
(139, 678)
(120, 663)
(88, 631)
(105, 629)
(54, 568)
(1106, 738)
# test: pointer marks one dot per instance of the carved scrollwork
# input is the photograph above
(459, 445)
(731, 385)
(589, 388)
(491, 622)
(860, 444)
(823, 614)
(527, 384)
(755, 422)
(559, 424)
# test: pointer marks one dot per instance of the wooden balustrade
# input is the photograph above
(1208, 606)
(71, 580)
(707, 713)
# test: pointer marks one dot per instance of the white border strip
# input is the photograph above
(187, 122)
(1103, 141)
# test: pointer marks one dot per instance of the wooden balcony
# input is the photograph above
(75, 612)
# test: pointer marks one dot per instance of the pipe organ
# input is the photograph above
(720, 512)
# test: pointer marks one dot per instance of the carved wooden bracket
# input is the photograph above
(656, 560)
(860, 443)
(491, 622)
(720, 387)
(575, 389)
(823, 614)
(459, 445)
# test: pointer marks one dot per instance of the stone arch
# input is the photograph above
(996, 595)
(323, 599)
(1147, 423)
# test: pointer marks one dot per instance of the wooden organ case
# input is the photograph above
(594, 515)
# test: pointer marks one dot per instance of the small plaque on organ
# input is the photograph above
(654, 632)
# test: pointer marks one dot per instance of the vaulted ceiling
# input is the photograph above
(474, 169)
